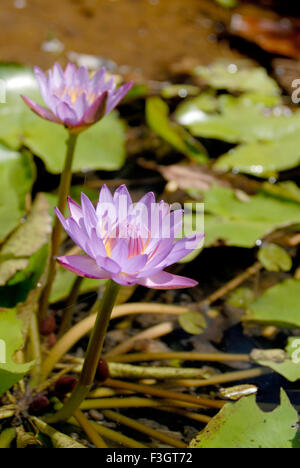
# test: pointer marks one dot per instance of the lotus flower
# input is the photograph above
(73, 98)
(128, 243)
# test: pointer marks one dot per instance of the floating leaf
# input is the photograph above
(224, 74)
(278, 306)
(100, 147)
(241, 297)
(244, 425)
(157, 114)
(179, 90)
(245, 119)
(64, 282)
(289, 366)
(275, 258)
(28, 239)
(192, 322)
(243, 223)
(227, 3)
(17, 175)
(263, 159)
(16, 290)
(11, 337)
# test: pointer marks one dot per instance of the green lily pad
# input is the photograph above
(275, 258)
(224, 74)
(64, 282)
(100, 147)
(11, 340)
(263, 159)
(278, 306)
(243, 223)
(290, 367)
(157, 115)
(192, 322)
(17, 175)
(28, 239)
(244, 425)
(244, 119)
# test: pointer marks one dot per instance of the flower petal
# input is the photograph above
(75, 210)
(115, 98)
(83, 265)
(164, 280)
(40, 110)
(96, 110)
(66, 115)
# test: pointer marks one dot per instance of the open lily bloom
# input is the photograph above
(128, 243)
(73, 98)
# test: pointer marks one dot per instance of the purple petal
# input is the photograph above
(108, 265)
(135, 264)
(75, 210)
(96, 111)
(83, 265)
(40, 110)
(116, 98)
(164, 280)
(89, 213)
(123, 202)
(66, 115)
(106, 202)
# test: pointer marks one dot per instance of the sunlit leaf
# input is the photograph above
(244, 425)
(17, 175)
(12, 340)
(224, 74)
(245, 119)
(278, 306)
(58, 439)
(157, 114)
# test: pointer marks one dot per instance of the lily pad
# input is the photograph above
(64, 282)
(192, 322)
(17, 175)
(28, 239)
(242, 223)
(245, 425)
(157, 114)
(224, 74)
(278, 306)
(245, 119)
(100, 147)
(263, 159)
(275, 258)
(12, 340)
(290, 366)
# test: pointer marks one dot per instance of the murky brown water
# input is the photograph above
(147, 35)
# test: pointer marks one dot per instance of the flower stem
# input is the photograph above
(64, 189)
(93, 354)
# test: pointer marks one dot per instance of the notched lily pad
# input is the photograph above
(245, 425)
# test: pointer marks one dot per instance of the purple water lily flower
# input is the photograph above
(128, 243)
(73, 98)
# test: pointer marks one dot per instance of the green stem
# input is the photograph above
(93, 355)
(64, 189)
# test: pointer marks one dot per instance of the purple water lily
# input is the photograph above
(73, 98)
(128, 243)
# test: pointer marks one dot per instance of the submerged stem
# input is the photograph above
(64, 190)
(93, 355)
